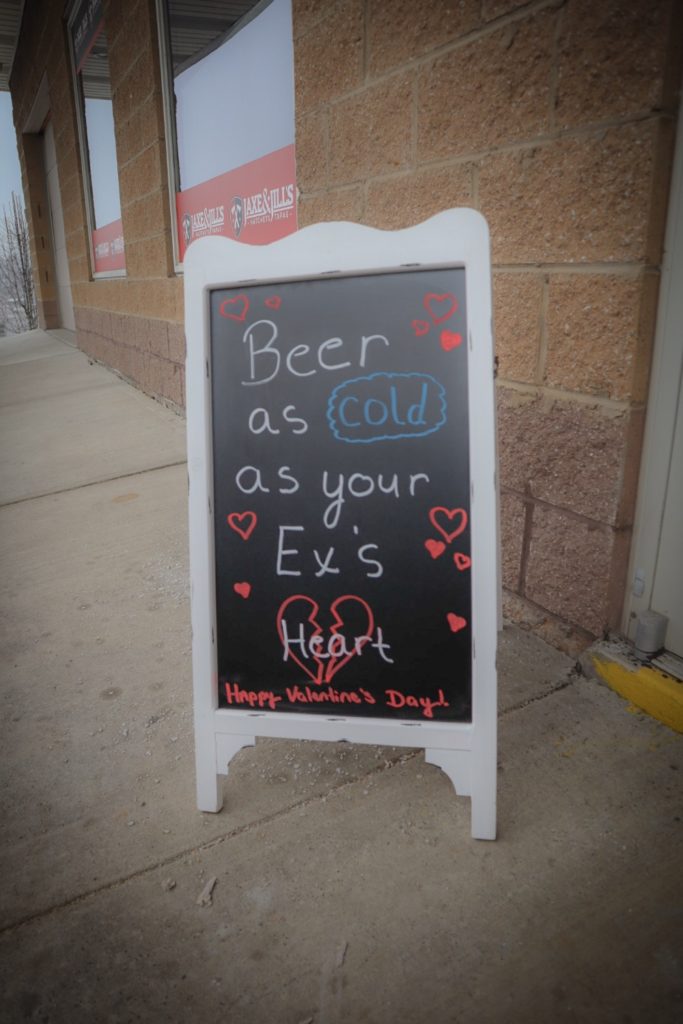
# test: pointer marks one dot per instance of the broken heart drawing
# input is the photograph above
(320, 653)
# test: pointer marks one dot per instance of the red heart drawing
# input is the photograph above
(449, 340)
(235, 302)
(456, 622)
(462, 561)
(435, 547)
(450, 513)
(324, 672)
(236, 518)
(243, 589)
(420, 327)
(440, 307)
(274, 302)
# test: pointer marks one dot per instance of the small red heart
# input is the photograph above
(456, 622)
(235, 519)
(449, 340)
(435, 547)
(241, 315)
(420, 327)
(462, 561)
(440, 307)
(243, 589)
(457, 514)
(274, 302)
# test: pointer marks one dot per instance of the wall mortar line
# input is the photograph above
(618, 406)
(542, 350)
(605, 527)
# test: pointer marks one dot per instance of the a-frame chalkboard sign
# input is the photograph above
(343, 513)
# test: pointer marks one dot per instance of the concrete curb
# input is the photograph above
(647, 688)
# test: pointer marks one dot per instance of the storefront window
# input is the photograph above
(230, 111)
(96, 128)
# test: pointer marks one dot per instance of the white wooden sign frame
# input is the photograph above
(466, 752)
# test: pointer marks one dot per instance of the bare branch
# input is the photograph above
(17, 296)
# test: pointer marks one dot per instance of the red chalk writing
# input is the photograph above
(236, 695)
(396, 699)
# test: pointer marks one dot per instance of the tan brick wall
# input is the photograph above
(124, 322)
(39, 53)
(555, 119)
(38, 218)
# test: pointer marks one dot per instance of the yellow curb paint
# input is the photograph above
(651, 691)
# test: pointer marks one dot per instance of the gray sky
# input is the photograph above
(10, 175)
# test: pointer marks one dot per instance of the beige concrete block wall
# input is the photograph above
(41, 51)
(555, 119)
(132, 323)
(38, 218)
(129, 323)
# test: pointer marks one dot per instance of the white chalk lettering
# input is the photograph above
(365, 342)
(325, 563)
(335, 646)
(379, 568)
(360, 485)
(331, 343)
(285, 475)
(267, 349)
(256, 485)
(289, 417)
(259, 420)
(282, 552)
(266, 360)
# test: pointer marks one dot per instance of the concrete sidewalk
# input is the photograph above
(347, 887)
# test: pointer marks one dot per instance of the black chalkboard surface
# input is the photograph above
(342, 496)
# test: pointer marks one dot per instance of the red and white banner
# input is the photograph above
(108, 248)
(86, 25)
(255, 203)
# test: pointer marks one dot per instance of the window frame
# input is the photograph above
(168, 104)
(171, 141)
(82, 137)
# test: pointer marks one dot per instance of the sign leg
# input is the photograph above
(456, 765)
(209, 791)
(211, 764)
(484, 805)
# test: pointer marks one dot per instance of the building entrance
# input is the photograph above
(61, 261)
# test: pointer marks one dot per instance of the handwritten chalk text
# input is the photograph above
(396, 699)
(266, 360)
(337, 645)
(238, 696)
(386, 407)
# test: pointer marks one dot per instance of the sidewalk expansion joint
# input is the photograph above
(573, 676)
(93, 483)
(388, 765)
(62, 394)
